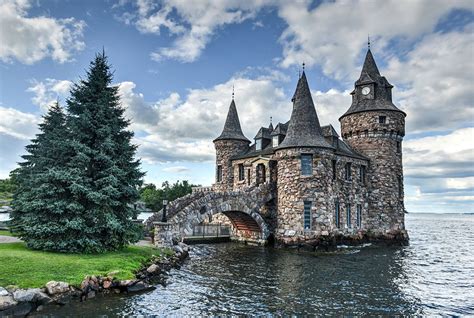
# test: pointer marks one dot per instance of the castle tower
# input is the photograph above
(231, 142)
(304, 171)
(375, 127)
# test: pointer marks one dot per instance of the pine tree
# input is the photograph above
(41, 199)
(106, 175)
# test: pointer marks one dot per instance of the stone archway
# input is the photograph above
(242, 211)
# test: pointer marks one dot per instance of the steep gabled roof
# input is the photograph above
(304, 129)
(263, 133)
(232, 129)
(280, 129)
(329, 131)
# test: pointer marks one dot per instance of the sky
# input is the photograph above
(176, 61)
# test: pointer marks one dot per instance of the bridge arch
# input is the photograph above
(242, 207)
(243, 213)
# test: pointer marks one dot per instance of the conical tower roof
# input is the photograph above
(232, 129)
(304, 129)
(370, 75)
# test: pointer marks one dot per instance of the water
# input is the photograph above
(432, 276)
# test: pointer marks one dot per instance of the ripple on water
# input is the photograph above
(434, 275)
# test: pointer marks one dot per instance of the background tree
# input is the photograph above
(41, 199)
(153, 197)
(105, 172)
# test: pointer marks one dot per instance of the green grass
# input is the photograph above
(26, 268)
(6, 233)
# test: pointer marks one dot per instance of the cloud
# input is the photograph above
(451, 155)
(193, 26)
(332, 34)
(31, 39)
(177, 169)
(182, 129)
(49, 91)
(435, 81)
(16, 129)
(18, 124)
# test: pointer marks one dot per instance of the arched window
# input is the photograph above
(260, 173)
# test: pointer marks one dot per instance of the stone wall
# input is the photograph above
(225, 149)
(379, 142)
(293, 189)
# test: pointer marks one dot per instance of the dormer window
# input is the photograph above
(275, 141)
(258, 144)
(382, 119)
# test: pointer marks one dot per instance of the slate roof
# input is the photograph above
(232, 129)
(329, 131)
(304, 129)
(280, 129)
(383, 100)
(263, 133)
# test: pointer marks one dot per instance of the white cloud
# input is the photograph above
(49, 91)
(31, 39)
(18, 124)
(16, 129)
(193, 25)
(332, 34)
(436, 80)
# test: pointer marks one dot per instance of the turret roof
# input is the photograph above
(232, 129)
(383, 100)
(304, 129)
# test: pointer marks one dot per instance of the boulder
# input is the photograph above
(138, 286)
(54, 287)
(7, 302)
(178, 249)
(3, 292)
(153, 268)
(106, 284)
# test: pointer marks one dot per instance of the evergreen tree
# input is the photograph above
(106, 175)
(41, 199)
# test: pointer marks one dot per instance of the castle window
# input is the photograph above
(258, 144)
(400, 187)
(337, 217)
(241, 172)
(348, 171)
(248, 177)
(362, 174)
(359, 215)
(348, 212)
(366, 133)
(307, 215)
(399, 146)
(306, 164)
(219, 173)
(275, 141)
(334, 172)
(382, 119)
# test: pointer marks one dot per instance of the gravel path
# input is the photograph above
(8, 239)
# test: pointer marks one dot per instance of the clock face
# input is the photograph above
(365, 90)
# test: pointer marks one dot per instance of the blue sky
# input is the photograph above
(175, 64)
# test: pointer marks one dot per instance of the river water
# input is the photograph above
(434, 275)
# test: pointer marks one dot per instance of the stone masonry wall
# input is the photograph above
(225, 149)
(378, 141)
(319, 188)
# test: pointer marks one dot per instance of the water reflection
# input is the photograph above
(426, 278)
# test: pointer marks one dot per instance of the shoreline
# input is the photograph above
(16, 301)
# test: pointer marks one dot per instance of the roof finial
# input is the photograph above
(303, 66)
(232, 91)
(368, 41)
(271, 120)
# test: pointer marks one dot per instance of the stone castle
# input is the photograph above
(323, 186)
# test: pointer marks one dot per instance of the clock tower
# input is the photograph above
(375, 127)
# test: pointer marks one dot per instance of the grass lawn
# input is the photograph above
(6, 233)
(27, 268)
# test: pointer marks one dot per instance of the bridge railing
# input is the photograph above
(201, 189)
(210, 230)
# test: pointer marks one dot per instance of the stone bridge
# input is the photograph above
(249, 211)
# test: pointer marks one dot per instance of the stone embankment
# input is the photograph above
(21, 302)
